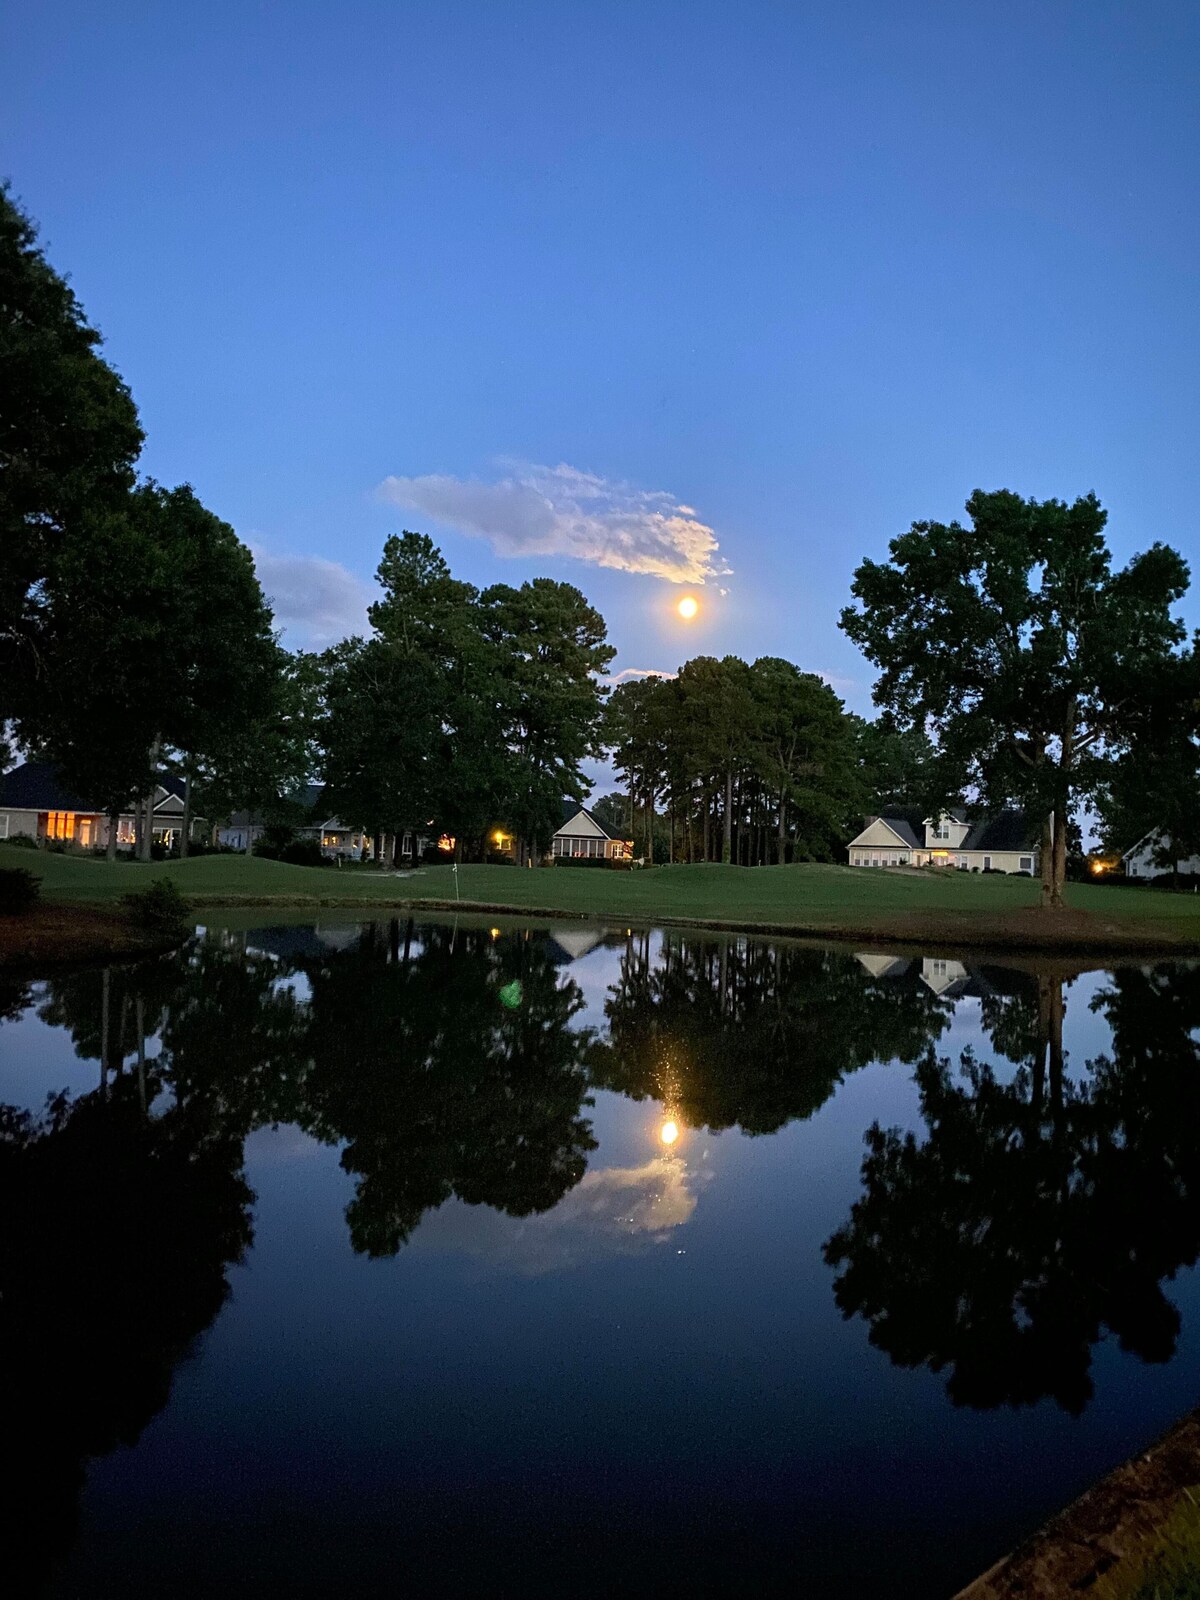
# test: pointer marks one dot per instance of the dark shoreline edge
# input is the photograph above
(1067, 932)
(62, 933)
(1113, 1521)
(71, 932)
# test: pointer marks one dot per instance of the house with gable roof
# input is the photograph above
(1000, 843)
(580, 834)
(36, 804)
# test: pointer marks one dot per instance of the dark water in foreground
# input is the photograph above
(439, 1260)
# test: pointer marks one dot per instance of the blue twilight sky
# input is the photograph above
(630, 293)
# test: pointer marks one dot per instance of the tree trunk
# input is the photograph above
(148, 831)
(141, 1049)
(1047, 860)
(104, 987)
(110, 848)
(727, 835)
(186, 836)
(458, 849)
(377, 848)
(1060, 856)
(782, 830)
(706, 829)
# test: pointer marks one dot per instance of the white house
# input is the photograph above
(1002, 843)
(336, 838)
(1147, 857)
(581, 835)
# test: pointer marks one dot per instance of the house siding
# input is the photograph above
(1140, 862)
(14, 822)
(879, 845)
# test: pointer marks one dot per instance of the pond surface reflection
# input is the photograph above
(442, 1259)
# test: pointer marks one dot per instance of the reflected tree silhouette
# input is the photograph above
(437, 1088)
(398, 1049)
(119, 1229)
(742, 1033)
(1038, 1211)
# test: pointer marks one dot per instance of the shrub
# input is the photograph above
(22, 841)
(19, 890)
(304, 853)
(593, 861)
(65, 847)
(160, 908)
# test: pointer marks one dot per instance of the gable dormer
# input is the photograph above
(946, 832)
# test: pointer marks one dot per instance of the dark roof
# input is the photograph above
(36, 787)
(1007, 830)
(900, 827)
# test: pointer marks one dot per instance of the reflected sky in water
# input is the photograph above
(395, 1286)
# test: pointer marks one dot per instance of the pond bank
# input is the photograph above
(1028, 928)
(1105, 1543)
(60, 933)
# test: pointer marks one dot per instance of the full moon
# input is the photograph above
(688, 607)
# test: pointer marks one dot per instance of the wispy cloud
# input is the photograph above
(639, 672)
(316, 602)
(560, 511)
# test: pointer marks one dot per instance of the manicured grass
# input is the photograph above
(800, 897)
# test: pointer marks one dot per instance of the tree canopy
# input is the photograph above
(1014, 644)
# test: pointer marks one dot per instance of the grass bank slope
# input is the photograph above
(948, 908)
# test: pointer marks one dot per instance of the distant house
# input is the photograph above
(34, 801)
(1151, 857)
(336, 838)
(580, 834)
(1003, 843)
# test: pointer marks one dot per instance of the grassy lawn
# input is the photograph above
(798, 897)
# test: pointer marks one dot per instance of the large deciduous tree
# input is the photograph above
(1013, 642)
(382, 716)
(430, 616)
(551, 649)
(69, 437)
(158, 643)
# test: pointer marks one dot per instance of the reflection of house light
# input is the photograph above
(669, 1131)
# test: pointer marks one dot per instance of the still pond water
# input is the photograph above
(443, 1259)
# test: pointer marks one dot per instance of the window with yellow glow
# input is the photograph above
(60, 825)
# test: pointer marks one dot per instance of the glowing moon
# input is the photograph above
(688, 607)
(669, 1132)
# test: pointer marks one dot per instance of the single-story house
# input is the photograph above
(34, 801)
(1003, 843)
(335, 837)
(1151, 857)
(580, 834)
